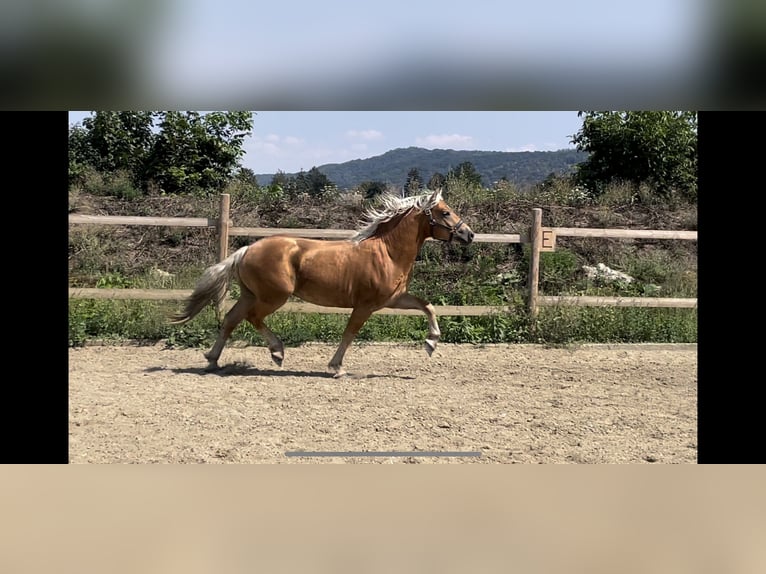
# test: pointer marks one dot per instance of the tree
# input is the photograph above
(437, 181)
(247, 175)
(313, 183)
(188, 151)
(81, 154)
(282, 181)
(413, 184)
(195, 152)
(465, 173)
(654, 147)
(372, 189)
(110, 142)
(121, 140)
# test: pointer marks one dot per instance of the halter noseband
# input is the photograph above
(452, 230)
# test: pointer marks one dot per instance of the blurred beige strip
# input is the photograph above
(360, 519)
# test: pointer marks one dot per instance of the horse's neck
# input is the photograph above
(405, 238)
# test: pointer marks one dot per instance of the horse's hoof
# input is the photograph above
(430, 346)
(213, 366)
(277, 358)
(338, 372)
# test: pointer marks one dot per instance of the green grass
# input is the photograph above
(146, 320)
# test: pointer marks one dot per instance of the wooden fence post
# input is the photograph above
(224, 223)
(535, 240)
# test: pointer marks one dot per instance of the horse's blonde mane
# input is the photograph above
(391, 206)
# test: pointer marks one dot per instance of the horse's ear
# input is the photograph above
(437, 193)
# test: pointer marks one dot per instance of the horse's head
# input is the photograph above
(446, 225)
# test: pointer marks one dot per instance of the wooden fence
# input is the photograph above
(540, 238)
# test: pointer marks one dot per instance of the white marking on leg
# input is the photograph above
(434, 333)
(276, 347)
(408, 301)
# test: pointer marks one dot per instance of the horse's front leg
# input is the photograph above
(408, 301)
(358, 317)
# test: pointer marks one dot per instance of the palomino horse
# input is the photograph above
(368, 272)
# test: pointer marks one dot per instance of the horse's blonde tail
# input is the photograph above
(211, 287)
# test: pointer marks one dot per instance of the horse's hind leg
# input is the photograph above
(408, 301)
(256, 316)
(233, 318)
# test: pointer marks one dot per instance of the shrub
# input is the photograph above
(117, 184)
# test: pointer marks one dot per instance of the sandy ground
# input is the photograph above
(506, 403)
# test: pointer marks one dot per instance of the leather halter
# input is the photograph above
(452, 229)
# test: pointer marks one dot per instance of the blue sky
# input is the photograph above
(291, 141)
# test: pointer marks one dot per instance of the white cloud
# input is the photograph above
(548, 146)
(454, 141)
(274, 138)
(272, 149)
(272, 144)
(525, 147)
(268, 147)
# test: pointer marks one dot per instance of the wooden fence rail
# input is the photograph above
(540, 239)
(142, 220)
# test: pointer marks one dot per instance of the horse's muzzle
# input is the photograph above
(463, 233)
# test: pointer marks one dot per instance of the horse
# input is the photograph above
(367, 272)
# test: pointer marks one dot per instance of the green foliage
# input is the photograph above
(658, 272)
(437, 181)
(372, 189)
(82, 156)
(281, 179)
(190, 335)
(244, 188)
(556, 189)
(654, 147)
(621, 192)
(115, 320)
(86, 249)
(313, 183)
(498, 328)
(143, 320)
(197, 153)
(111, 142)
(117, 184)
(413, 185)
(188, 152)
(569, 325)
(557, 269)
(460, 192)
(464, 174)
(114, 281)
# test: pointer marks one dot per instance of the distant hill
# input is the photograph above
(526, 167)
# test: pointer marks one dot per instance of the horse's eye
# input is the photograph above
(445, 213)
